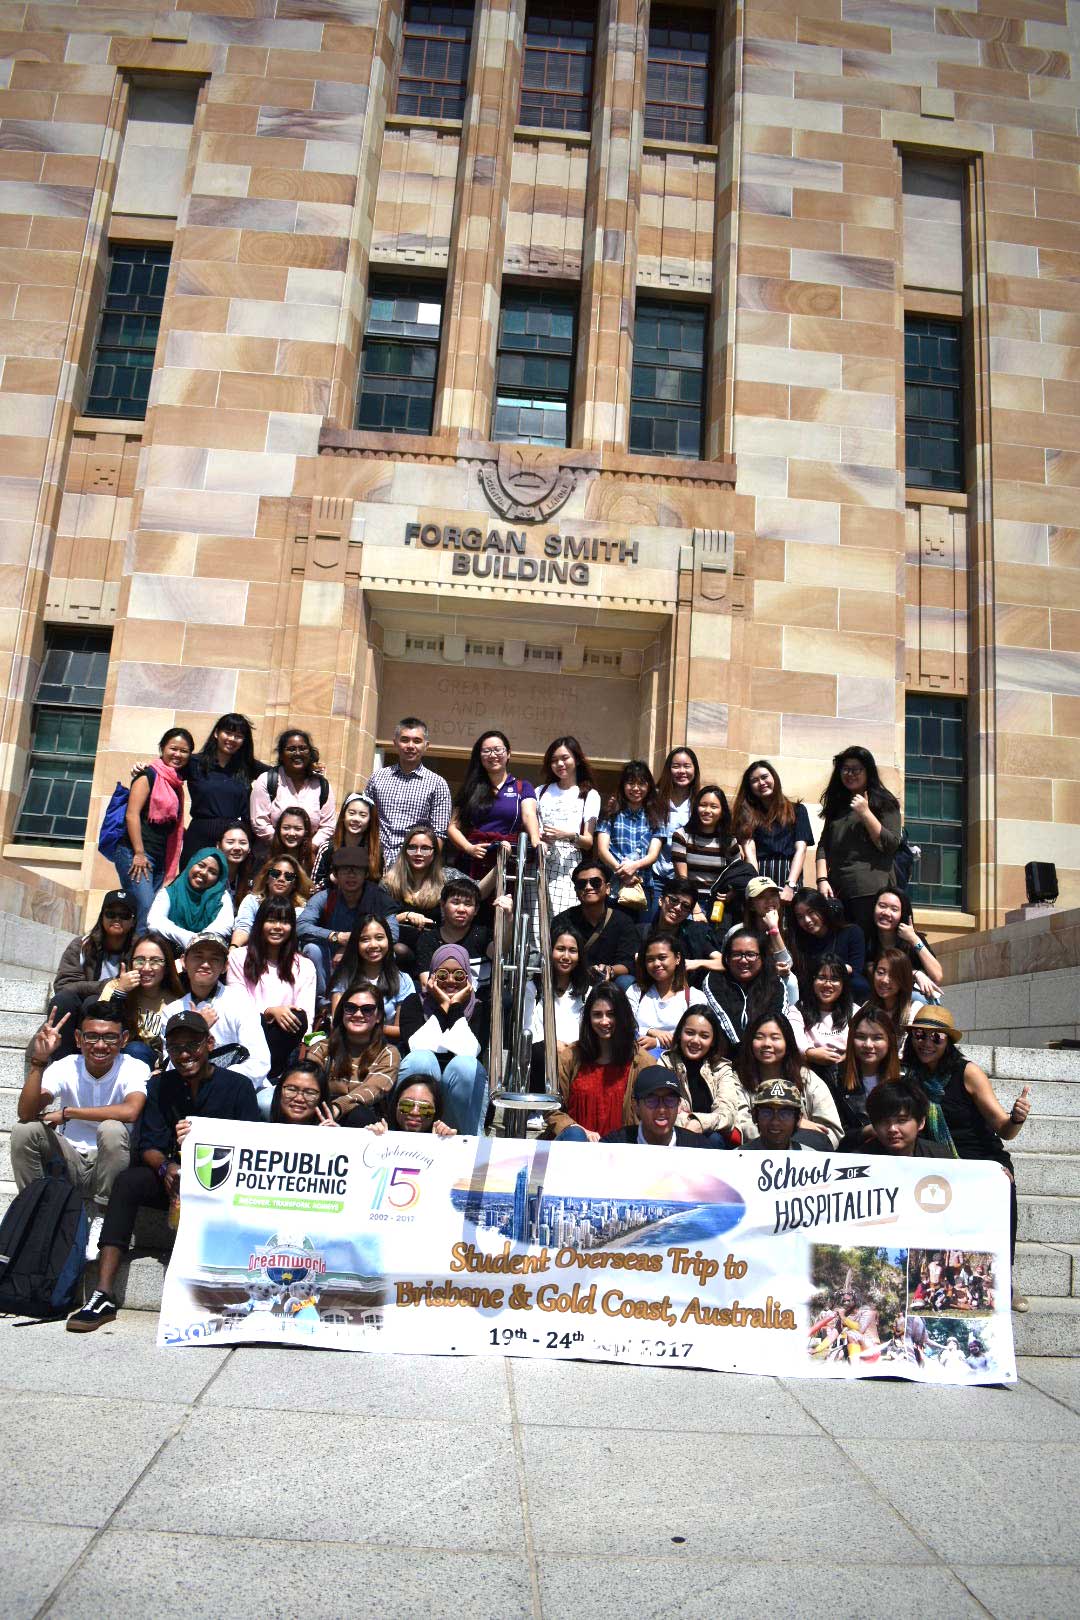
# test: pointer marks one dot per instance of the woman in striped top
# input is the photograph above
(702, 848)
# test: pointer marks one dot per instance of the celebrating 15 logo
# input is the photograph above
(394, 1185)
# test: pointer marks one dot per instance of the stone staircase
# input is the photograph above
(1046, 1154)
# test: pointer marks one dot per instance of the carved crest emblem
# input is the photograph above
(525, 491)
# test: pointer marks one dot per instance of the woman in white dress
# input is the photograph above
(568, 804)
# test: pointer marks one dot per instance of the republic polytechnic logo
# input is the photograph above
(213, 1166)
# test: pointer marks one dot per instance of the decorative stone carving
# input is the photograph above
(714, 560)
(525, 490)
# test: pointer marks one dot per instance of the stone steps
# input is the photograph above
(1048, 1269)
(1050, 1328)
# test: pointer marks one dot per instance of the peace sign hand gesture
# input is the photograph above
(46, 1042)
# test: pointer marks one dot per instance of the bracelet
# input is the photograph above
(163, 1169)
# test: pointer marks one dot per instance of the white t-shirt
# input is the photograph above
(70, 1086)
(561, 808)
(567, 1011)
(652, 1012)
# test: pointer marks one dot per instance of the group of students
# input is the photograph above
(283, 960)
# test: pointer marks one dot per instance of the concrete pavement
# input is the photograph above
(269, 1482)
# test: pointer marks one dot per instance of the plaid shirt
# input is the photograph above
(403, 800)
(630, 834)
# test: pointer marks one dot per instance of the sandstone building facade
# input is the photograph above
(703, 375)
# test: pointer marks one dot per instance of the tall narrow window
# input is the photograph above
(677, 79)
(127, 337)
(66, 720)
(934, 791)
(932, 374)
(666, 413)
(535, 367)
(556, 75)
(434, 60)
(401, 356)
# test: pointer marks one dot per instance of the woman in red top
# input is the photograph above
(597, 1073)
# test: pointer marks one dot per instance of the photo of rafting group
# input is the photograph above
(928, 1308)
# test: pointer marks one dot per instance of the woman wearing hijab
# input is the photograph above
(442, 1032)
(196, 902)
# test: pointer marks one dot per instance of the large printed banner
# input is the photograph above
(803, 1264)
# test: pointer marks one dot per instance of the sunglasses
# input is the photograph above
(936, 1037)
(580, 884)
(353, 1011)
(287, 874)
(422, 1109)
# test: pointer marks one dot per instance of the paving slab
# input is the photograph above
(39, 1555)
(784, 1493)
(301, 1475)
(1058, 1376)
(1012, 1497)
(927, 1412)
(676, 1587)
(119, 1362)
(205, 1577)
(73, 1458)
(597, 1395)
(1021, 1591)
(461, 1389)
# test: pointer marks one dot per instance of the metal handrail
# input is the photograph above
(498, 951)
(514, 1094)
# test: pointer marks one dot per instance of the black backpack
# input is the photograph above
(273, 782)
(43, 1248)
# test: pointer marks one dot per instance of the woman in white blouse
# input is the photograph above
(567, 803)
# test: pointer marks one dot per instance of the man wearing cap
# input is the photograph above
(191, 1085)
(777, 1107)
(232, 1016)
(330, 916)
(656, 1102)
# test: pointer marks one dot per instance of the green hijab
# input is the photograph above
(196, 910)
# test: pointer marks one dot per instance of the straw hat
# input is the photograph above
(937, 1018)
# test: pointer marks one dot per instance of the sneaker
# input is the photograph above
(99, 1309)
(1021, 1304)
(93, 1236)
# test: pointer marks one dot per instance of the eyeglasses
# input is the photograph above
(422, 1109)
(936, 1037)
(286, 874)
(354, 1010)
(492, 753)
(421, 849)
(777, 1113)
(746, 956)
(181, 1048)
(677, 902)
(659, 1099)
(581, 884)
(147, 961)
(295, 1094)
(101, 1040)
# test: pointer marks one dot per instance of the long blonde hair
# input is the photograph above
(398, 882)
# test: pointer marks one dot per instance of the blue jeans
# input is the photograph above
(464, 1088)
(144, 1053)
(141, 890)
(572, 1133)
(320, 953)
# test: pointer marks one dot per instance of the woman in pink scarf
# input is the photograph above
(148, 854)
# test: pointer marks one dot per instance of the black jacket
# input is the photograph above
(681, 1138)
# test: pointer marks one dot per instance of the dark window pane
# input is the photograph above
(934, 422)
(401, 356)
(934, 797)
(556, 76)
(534, 375)
(66, 721)
(677, 79)
(667, 386)
(434, 60)
(128, 333)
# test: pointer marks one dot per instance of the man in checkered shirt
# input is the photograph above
(408, 793)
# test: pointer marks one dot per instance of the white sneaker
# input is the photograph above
(93, 1237)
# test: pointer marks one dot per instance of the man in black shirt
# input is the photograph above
(701, 940)
(898, 1111)
(191, 1086)
(656, 1102)
(611, 940)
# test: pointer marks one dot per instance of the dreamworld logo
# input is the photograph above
(213, 1165)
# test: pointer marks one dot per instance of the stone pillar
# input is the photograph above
(466, 385)
(727, 53)
(612, 204)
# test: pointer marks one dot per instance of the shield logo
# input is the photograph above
(212, 1166)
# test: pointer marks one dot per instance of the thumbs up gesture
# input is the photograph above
(1021, 1108)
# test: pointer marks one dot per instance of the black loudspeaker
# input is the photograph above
(1042, 883)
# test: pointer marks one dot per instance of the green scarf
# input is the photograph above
(193, 909)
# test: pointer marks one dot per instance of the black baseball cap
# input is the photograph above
(119, 900)
(654, 1079)
(349, 857)
(193, 1021)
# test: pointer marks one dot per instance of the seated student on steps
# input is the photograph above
(81, 1109)
(233, 1017)
(192, 1086)
(656, 1100)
